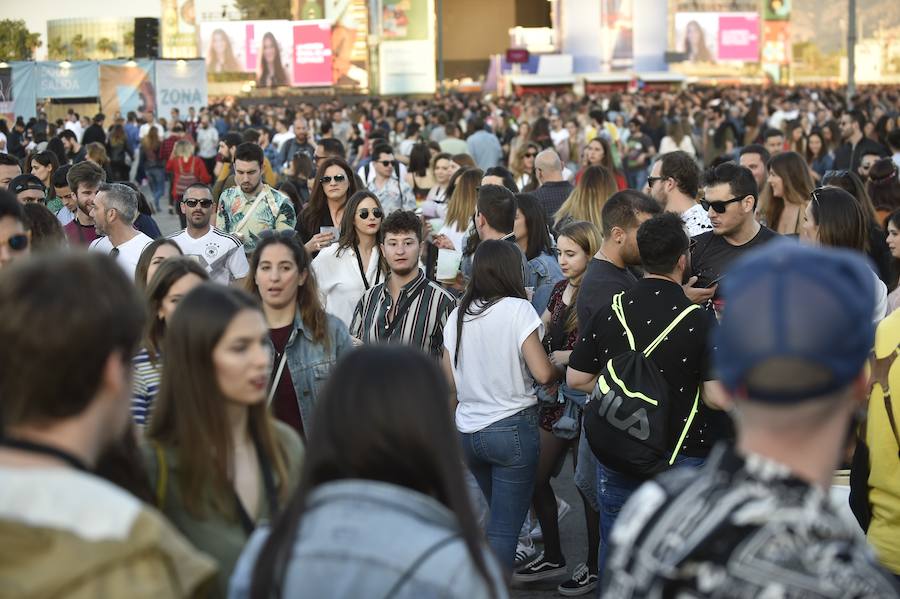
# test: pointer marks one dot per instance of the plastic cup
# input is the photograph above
(448, 264)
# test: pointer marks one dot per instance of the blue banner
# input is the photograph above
(68, 80)
(24, 98)
(180, 84)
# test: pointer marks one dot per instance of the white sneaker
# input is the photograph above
(525, 554)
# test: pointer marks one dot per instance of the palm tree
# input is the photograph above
(128, 40)
(105, 46)
(56, 49)
(78, 46)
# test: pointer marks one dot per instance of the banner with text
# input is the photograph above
(617, 34)
(67, 80)
(178, 29)
(406, 52)
(312, 54)
(180, 84)
(706, 37)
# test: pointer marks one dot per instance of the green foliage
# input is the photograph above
(16, 42)
(264, 9)
(57, 49)
(78, 46)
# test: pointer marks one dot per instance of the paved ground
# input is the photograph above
(573, 535)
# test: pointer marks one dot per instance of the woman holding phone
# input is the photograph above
(336, 183)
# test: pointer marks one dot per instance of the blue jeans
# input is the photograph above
(156, 177)
(613, 491)
(503, 458)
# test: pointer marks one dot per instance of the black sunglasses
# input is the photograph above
(376, 212)
(193, 203)
(17, 243)
(530, 155)
(387, 162)
(651, 181)
(337, 179)
(719, 207)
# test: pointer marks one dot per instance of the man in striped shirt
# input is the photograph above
(407, 308)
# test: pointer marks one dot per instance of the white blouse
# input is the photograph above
(340, 282)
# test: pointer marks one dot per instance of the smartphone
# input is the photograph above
(715, 281)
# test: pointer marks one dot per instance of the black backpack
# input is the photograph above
(626, 420)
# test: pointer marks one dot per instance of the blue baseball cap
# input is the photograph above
(797, 322)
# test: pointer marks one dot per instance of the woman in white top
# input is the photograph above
(435, 205)
(460, 209)
(677, 138)
(493, 358)
(347, 269)
(893, 241)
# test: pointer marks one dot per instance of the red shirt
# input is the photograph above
(80, 235)
(284, 404)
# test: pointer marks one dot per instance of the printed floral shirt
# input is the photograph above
(274, 211)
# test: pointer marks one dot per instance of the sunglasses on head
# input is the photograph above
(17, 243)
(387, 162)
(193, 203)
(376, 212)
(719, 207)
(337, 179)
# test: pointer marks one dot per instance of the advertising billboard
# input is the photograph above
(178, 29)
(180, 84)
(707, 37)
(406, 52)
(127, 86)
(617, 33)
(312, 53)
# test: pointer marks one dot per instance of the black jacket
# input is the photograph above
(848, 157)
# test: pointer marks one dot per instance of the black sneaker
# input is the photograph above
(540, 569)
(581, 583)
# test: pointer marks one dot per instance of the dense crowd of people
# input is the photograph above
(359, 365)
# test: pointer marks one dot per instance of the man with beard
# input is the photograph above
(850, 155)
(252, 206)
(114, 212)
(221, 254)
(300, 143)
(84, 179)
(406, 308)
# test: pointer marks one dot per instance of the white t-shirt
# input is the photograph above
(65, 216)
(340, 282)
(492, 380)
(221, 254)
(696, 220)
(129, 252)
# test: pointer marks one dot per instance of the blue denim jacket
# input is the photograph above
(358, 537)
(310, 363)
(543, 273)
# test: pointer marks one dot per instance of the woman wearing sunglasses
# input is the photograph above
(14, 238)
(335, 183)
(346, 270)
(306, 340)
(522, 166)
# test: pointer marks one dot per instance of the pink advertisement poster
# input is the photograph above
(739, 37)
(312, 53)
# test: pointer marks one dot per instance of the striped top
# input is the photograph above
(422, 324)
(147, 375)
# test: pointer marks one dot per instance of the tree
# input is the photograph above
(78, 46)
(16, 42)
(128, 40)
(264, 9)
(57, 49)
(105, 46)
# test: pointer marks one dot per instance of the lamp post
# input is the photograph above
(851, 52)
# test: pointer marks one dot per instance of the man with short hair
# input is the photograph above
(84, 179)
(773, 141)
(683, 358)
(150, 121)
(75, 152)
(15, 238)
(674, 182)
(168, 144)
(554, 189)
(328, 148)
(114, 213)
(80, 314)
(639, 151)
(28, 188)
(207, 143)
(392, 191)
(252, 206)
(849, 155)
(730, 198)
(868, 159)
(299, 143)
(341, 127)
(452, 144)
(756, 520)
(893, 139)
(73, 124)
(558, 133)
(66, 214)
(483, 146)
(406, 308)
(96, 132)
(756, 158)
(438, 131)
(221, 254)
(10, 168)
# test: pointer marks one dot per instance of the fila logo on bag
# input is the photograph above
(636, 424)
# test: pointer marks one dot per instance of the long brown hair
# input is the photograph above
(318, 204)
(349, 237)
(190, 411)
(586, 201)
(170, 271)
(461, 205)
(151, 141)
(607, 161)
(586, 235)
(796, 181)
(308, 303)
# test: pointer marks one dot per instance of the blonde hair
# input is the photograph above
(585, 235)
(183, 149)
(586, 201)
(461, 206)
(96, 153)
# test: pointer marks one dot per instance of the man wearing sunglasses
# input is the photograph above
(393, 193)
(220, 253)
(730, 198)
(15, 240)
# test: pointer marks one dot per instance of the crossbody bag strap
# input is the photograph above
(655, 343)
(402, 309)
(362, 270)
(162, 475)
(620, 314)
(880, 371)
(280, 370)
(402, 580)
(247, 216)
(268, 483)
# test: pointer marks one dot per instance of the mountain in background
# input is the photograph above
(826, 22)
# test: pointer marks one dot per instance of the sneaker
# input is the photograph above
(562, 510)
(540, 569)
(525, 554)
(581, 583)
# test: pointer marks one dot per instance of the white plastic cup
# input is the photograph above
(448, 264)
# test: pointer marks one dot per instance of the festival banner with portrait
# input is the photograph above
(617, 34)
(312, 64)
(406, 52)
(178, 29)
(127, 86)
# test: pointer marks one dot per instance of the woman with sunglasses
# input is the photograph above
(15, 238)
(346, 270)
(522, 166)
(218, 462)
(306, 340)
(335, 185)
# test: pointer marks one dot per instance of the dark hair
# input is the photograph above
(823, 151)
(55, 145)
(661, 242)
(883, 186)
(796, 182)
(852, 184)
(348, 237)
(74, 297)
(290, 190)
(539, 241)
(419, 159)
(10, 206)
(768, 133)
(379, 149)
(46, 232)
(85, 172)
(189, 413)
(497, 272)
(681, 167)
(249, 152)
(250, 136)
(509, 182)
(400, 435)
(858, 117)
(498, 206)
(279, 76)
(170, 271)
(758, 149)
(464, 160)
(302, 166)
(332, 147)
(44, 159)
(318, 204)
(893, 139)
(840, 219)
(622, 208)
(739, 179)
(68, 134)
(402, 221)
(232, 139)
(143, 265)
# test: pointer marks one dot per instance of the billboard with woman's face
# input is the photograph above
(710, 37)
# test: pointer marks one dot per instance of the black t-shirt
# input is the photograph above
(684, 357)
(712, 255)
(600, 283)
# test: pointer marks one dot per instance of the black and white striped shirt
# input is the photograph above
(421, 325)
